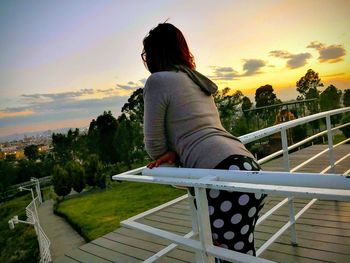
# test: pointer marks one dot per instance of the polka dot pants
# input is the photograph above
(233, 215)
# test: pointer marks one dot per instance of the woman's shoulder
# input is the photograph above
(165, 76)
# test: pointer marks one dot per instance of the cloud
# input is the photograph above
(41, 113)
(252, 66)
(37, 98)
(32, 106)
(293, 60)
(330, 54)
(131, 86)
(223, 73)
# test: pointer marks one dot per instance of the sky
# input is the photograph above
(62, 63)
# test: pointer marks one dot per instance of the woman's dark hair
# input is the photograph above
(164, 47)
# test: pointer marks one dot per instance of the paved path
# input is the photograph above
(62, 236)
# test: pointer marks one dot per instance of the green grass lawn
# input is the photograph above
(100, 212)
(20, 244)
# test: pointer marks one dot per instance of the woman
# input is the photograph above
(181, 123)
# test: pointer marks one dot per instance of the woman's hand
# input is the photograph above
(169, 157)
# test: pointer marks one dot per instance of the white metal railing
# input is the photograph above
(33, 219)
(288, 184)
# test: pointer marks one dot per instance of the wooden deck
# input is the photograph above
(323, 231)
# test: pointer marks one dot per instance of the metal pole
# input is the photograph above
(290, 199)
(204, 224)
(330, 143)
(285, 150)
(195, 229)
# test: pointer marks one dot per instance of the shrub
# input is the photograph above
(94, 174)
(76, 175)
(61, 181)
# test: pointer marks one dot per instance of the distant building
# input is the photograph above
(19, 154)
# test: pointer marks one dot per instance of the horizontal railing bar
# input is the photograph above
(317, 155)
(196, 245)
(257, 177)
(298, 144)
(328, 194)
(193, 244)
(271, 211)
(156, 209)
(289, 124)
(167, 249)
(283, 229)
(337, 162)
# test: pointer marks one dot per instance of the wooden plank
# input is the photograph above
(172, 228)
(83, 256)
(285, 258)
(108, 254)
(309, 229)
(65, 259)
(137, 253)
(146, 237)
(171, 221)
(149, 246)
(176, 216)
(309, 253)
(307, 242)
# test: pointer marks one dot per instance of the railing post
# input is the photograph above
(330, 143)
(285, 150)
(38, 192)
(293, 231)
(195, 228)
(203, 224)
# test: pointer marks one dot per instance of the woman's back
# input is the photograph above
(181, 117)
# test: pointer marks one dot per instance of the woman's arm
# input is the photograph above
(155, 107)
(169, 158)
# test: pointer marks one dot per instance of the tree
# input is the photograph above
(76, 173)
(124, 140)
(61, 181)
(346, 129)
(31, 152)
(264, 96)
(61, 148)
(94, 175)
(48, 163)
(307, 86)
(246, 104)
(133, 109)
(346, 98)
(330, 98)
(7, 177)
(101, 135)
(10, 157)
(229, 106)
(26, 169)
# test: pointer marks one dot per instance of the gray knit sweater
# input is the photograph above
(180, 117)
